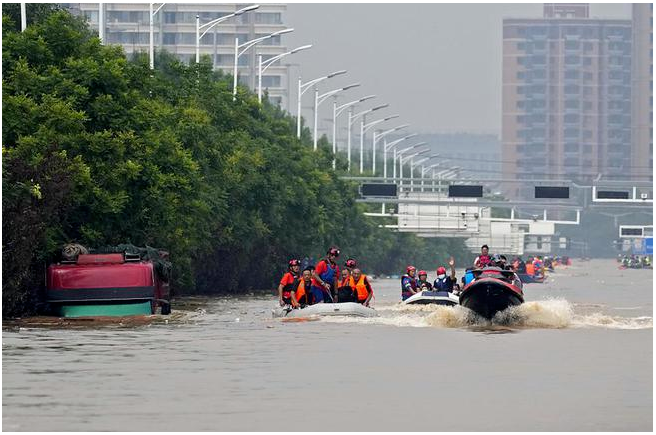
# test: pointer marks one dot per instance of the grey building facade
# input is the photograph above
(127, 24)
(566, 97)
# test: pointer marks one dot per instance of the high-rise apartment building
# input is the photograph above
(566, 97)
(127, 24)
(643, 94)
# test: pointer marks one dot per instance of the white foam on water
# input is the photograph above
(543, 314)
(612, 322)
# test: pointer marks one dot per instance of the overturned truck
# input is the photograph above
(116, 281)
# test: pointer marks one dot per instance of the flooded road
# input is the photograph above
(576, 356)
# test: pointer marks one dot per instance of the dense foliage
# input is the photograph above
(99, 150)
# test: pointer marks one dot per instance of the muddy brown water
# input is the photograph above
(576, 356)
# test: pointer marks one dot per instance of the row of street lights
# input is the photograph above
(240, 49)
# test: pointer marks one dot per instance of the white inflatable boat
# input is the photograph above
(433, 297)
(344, 309)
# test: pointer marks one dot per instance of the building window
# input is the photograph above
(169, 18)
(271, 81)
(572, 104)
(571, 45)
(572, 74)
(268, 18)
(571, 147)
(571, 118)
(572, 59)
(572, 89)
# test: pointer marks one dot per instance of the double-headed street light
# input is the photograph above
(208, 26)
(336, 111)
(302, 87)
(267, 63)
(389, 146)
(246, 45)
(376, 138)
(399, 154)
(318, 99)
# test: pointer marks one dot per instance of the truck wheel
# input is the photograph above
(166, 308)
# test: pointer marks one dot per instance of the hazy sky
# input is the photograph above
(437, 65)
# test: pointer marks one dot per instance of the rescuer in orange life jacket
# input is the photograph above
(288, 282)
(345, 293)
(301, 295)
(362, 287)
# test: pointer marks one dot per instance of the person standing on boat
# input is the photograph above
(443, 282)
(326, 277)
(423, 283)
(360, 284)
(409, 283)
(483, 259)
(301, 296)
(288, 282)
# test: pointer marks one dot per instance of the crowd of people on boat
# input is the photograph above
(324, 282)
(634, 261)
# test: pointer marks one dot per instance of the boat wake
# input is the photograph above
(544, 314)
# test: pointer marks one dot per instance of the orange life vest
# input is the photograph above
(345, 282)
(530, 269)
(360, 288)
(300, 292)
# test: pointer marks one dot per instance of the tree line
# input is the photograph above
(100, 150)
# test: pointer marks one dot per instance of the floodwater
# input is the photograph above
(576, 356)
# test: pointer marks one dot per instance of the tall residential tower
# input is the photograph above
(566, 97)
(643, 93)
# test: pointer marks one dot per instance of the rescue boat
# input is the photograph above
(529, 279)
(492, 290)
(351, 309)
(432, 297)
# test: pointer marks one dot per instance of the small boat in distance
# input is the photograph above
(432, 297)
(492, 290)
(351, 309)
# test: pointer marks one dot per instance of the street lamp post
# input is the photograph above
(402, 160)
(414, 164)
(399, 154)
(267, 63)
(246, 45)
(208, 26)
(23, 10)
(336, 112)
(302, 87)
(318, 99)
(101, 22)
(151, 46)
(389, 146)
(363, 130)
(351, 121)
(424, 170)
(378, 137)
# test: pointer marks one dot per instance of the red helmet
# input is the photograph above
(334, 251)
(409, 268)
(294, 262)
(422, 272)
(441, 270)
(350, 263)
